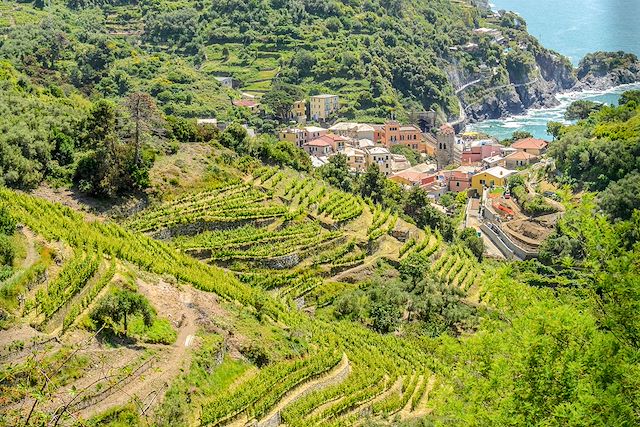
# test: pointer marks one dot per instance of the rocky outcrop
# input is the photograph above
(552, 74)
(605, 70)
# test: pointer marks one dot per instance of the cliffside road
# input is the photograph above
(463, 88)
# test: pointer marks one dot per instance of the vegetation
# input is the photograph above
(581, 109)
(600, 151)
(357, 321)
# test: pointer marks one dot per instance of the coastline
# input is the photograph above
(538, 117)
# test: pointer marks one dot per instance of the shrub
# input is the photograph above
(7, 251)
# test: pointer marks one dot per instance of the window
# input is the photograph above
(457, 184)
(482, 182)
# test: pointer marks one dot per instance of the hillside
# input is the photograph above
(381, 57)
(276, 298)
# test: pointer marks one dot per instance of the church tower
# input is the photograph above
(445, 149)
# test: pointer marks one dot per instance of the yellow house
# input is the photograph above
(323, 106)
(299, 111)
(494, 177)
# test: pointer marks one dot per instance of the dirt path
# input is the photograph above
(388, 249)
(338, 374)
(421, 408)
(406, 410)
(151, 386)
(365, 408)
(32, 253)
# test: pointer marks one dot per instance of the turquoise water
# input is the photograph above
(577, 27)
(535, 121)
(573, 28)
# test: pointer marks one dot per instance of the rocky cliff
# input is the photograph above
(549, 74)
(604, 70)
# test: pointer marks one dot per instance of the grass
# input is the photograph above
(160, 331)
(123, 416)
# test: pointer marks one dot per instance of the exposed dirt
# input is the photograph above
(92, 208)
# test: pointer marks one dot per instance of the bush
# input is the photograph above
(8, 223)
(7, 251)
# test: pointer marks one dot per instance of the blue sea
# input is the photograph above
(573, 28)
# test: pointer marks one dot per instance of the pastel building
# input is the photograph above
(323, 106)
(381, 157)
(477, 151)
(393, 133)
(519, 159)
(531, 145)
(490, 178)
(299, 111)
(356, 158)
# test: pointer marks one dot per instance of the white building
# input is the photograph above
(225, 81)
(381, 157)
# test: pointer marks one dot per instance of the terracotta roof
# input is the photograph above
(334, 137)
(245, 103)
(319, 143)
(521, 155)
(447, 129)
(459, 176)
(530, 143)
(411, 176)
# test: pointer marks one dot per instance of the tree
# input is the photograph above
(235, 137)
(8, 223)
(469, 237)
(630, 96)
(620, 199)
(412, 156)
(555, 129)
(118, 307)
(517, 136)
(336, 172)
(146, 119)
(418, 206)
(581, 109)
(372, 184)
(280, 102)
(281, 98)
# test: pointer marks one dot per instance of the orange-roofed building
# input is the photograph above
(252, 105)
(531, 145)
(413, 179)
(393, 133)
(318, 147)
(334, 142)
(519, 159)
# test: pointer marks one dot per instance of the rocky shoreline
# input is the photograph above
(598, 71)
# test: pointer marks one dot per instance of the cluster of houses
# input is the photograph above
(452, 163)
(362, 144)
(474, 164)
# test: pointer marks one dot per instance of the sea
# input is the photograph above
(573, 28)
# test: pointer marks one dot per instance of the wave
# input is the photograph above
(535, 120)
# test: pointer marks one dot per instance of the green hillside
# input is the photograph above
(274, 297)
(382, 57)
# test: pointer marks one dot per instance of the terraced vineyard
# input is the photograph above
(340, 371)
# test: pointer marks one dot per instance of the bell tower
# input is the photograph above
(446, 138)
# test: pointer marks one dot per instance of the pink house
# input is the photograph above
(457, 181)
(318, 147)
(480, 151)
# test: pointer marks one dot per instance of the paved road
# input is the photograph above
(491, 250)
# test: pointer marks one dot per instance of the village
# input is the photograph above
(447, 162)
(437, 159)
